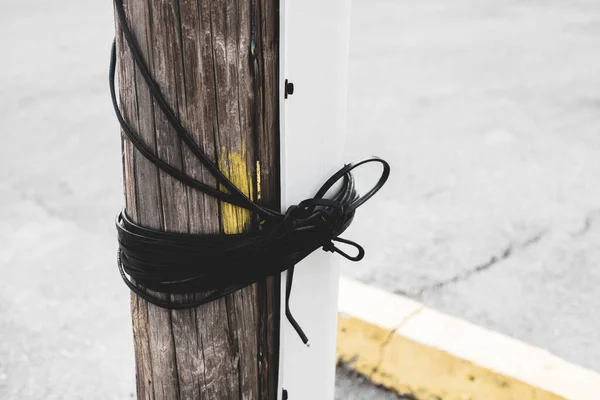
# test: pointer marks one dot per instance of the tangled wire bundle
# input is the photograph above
(212, 266)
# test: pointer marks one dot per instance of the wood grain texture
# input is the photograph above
(198, 52)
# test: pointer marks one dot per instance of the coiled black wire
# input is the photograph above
(212, 266)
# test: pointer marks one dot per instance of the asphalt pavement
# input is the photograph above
(489, 112)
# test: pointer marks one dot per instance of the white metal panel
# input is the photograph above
(315, 40)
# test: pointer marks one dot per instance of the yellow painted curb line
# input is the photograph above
(411, 349)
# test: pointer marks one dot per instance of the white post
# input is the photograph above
(314, 49)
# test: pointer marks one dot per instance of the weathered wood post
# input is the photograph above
(198, 52)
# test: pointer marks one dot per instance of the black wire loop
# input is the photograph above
(156, 264)
(334, 249)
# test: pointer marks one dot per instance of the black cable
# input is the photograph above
(213, 266)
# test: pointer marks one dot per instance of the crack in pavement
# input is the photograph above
(589, 221)
(389, 337)
(50, 211)
(506, 253)
(39, 202)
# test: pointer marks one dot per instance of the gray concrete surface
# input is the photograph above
(488, 110)
(351, 386)
(490, 114)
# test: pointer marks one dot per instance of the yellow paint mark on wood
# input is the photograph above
(425, 372)
(233, 165)
(257, 180)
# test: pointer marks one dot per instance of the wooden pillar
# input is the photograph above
(198, 52)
